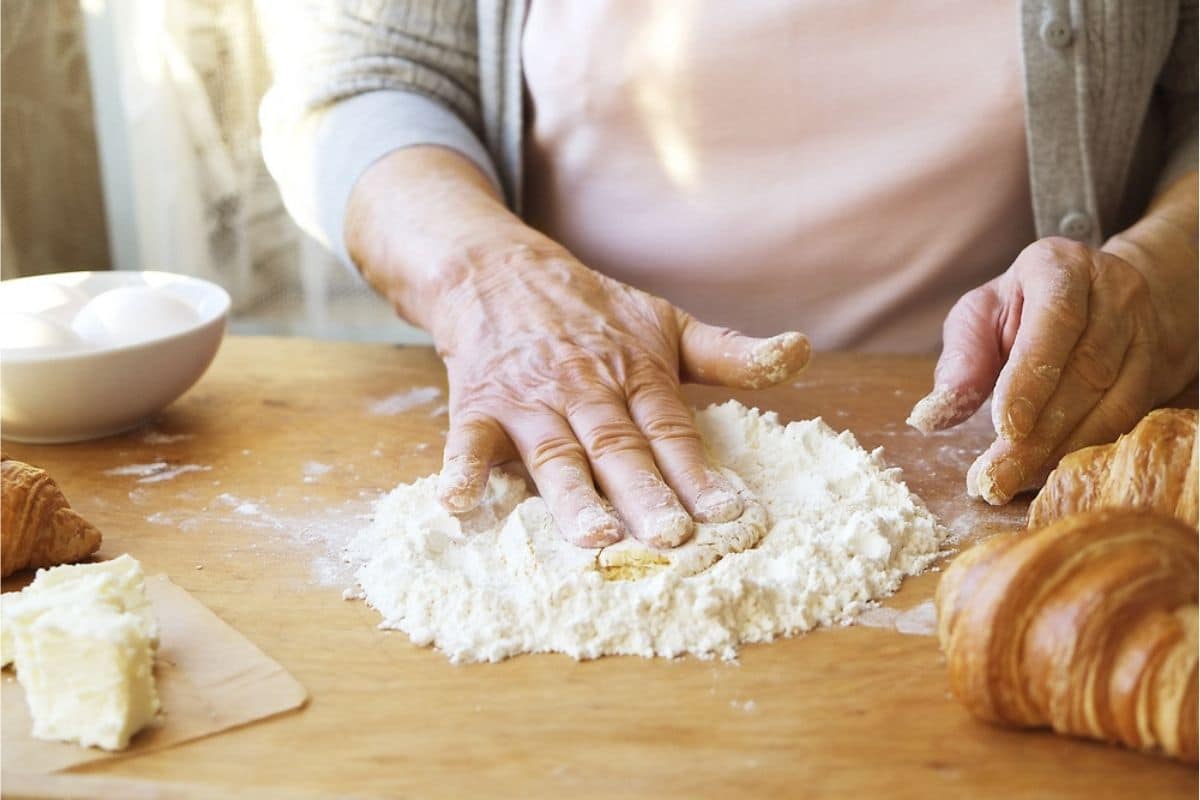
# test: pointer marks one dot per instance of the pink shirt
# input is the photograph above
(847, 168)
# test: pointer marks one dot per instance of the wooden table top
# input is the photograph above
(244, 490)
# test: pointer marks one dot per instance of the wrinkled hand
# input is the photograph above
(1071, 340)
(579, 376)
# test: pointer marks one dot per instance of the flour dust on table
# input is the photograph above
(828, 529)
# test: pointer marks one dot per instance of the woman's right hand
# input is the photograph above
(576, 374)
(579, 375)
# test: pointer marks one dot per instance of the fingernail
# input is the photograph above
(973, 476)
(1019, 419)
(596, 527)
(458, 501)
(668, 528)
(718, 505)
(926, 416)
(778, 358)
(458, 485)
(941, 408)
(999, 482)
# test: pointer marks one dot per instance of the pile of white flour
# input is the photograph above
(831, 530)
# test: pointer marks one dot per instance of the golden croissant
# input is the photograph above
(1153, 467)
(38, 528)
(1086, 626)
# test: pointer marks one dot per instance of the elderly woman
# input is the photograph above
(583, 201)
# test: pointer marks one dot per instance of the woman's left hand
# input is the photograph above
(1078, 347)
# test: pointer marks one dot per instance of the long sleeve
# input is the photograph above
(1178, 82)
(356, 80)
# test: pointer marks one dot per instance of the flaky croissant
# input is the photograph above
(1153, 467)
(1086, 626)
(38, 528)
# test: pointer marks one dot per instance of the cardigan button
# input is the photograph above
(1056, 33)
(1075, 225)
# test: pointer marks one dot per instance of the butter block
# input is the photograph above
(119, 581)
(88, 676)
(83, 639)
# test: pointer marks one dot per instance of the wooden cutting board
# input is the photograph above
(244, 489)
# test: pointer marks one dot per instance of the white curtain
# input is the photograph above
(176, 86)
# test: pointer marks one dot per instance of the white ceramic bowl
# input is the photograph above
(56, 385)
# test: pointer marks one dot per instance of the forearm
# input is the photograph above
(419, 220)
(1162, 246)
(355, 81)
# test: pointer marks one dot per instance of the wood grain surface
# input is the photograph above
(244, 489)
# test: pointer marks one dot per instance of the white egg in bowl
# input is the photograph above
(90, 354)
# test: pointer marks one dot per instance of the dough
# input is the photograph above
(827, 529)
